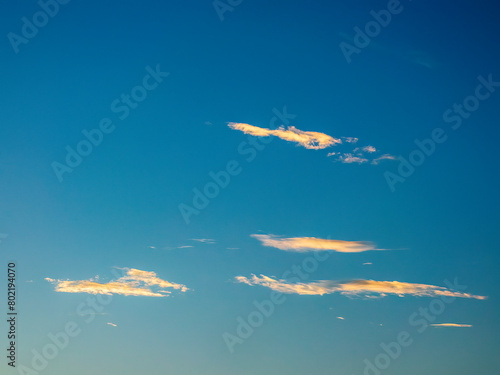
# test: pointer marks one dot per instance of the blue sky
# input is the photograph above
(113, 225)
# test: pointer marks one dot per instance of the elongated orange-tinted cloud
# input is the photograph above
(134, 283)
(366, 288)
(307, 139)
(302, 244)
(457, 325)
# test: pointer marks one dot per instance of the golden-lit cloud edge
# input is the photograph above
(316, 141)
(303, 244)
(452, 325)
(363, 288)
(134, 283)
(307, 139)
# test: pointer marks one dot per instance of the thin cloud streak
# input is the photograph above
(383, 157)
(204, 240)
(307, 139)
(363, 288)
(452, 325)
(134, 283)
(302, 244)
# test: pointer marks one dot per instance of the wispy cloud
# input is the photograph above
(184, 246)
(360, 156)
(451, 325)
(364, 288)
(350, 139)
(367, 263)
(307, 139)
(203, 240)
(302, 244)
(383, 157)
(134, 283)
(112, 324)
(340, 317)
(349, 158)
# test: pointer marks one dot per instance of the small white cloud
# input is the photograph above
(340, 317)
(369, 149)
(350, 158)
(112, 324)
(366, 263)
(184, 246)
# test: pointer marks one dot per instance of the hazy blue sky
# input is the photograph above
(121, 221)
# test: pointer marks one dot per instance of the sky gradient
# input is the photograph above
(206, 188)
